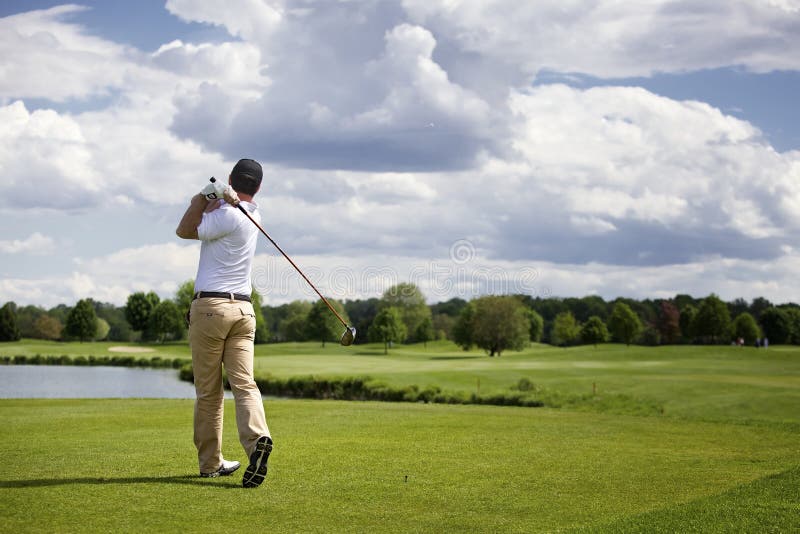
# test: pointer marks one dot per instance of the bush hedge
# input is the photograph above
(365, 388)
(156, 362)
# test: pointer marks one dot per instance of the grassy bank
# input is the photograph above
(129, 466)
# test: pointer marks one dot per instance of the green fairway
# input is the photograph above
(721, 452)
(129, 465)
(711, 383)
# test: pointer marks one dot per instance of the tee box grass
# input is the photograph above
(129, 466)
(723, 457)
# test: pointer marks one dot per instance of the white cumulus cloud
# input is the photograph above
(36, 244)
(393, 129)
(612, 39)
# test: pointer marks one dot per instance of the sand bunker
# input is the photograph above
(130, 349)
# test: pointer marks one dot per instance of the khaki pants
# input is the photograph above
(221, 332)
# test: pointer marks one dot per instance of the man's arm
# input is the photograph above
(187, 228)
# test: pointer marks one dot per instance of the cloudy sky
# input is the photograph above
(554, 148)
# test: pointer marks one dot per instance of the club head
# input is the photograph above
(349, 336)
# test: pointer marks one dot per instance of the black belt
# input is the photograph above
(220, 295)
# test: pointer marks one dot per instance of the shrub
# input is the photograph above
(650, 337)
(91, 360)
(525, 384)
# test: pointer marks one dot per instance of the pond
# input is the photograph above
(67, 382)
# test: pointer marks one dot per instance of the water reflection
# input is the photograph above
(66, 382)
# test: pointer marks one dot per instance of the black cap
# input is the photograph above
(248, 167)
(246, 176)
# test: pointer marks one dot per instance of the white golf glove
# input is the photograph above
(215, 190)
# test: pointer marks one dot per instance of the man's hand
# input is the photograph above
(214, 190)
(217, 190)
(230, 196)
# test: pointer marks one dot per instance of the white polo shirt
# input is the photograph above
(227, 249)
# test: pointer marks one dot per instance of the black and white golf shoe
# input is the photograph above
(227, 468)
(256, 472)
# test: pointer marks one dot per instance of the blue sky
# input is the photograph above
(594, 147)
(144, 24)
(763, 99)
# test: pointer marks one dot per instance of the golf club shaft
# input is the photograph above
(243, 210)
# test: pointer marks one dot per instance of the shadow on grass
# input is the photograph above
(192, 480)
(471, 357)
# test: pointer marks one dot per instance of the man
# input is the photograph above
(222, 322)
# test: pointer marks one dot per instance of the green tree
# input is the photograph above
(450, 307)
(585, 307)
(646, 310)
(82, 321)
(500, 323)
(410, 302)
(138, 309)
(566, 329)
(9, 331)
(388, 327)
(443, 325)
(624, 324)
(362, 313)
(166, 321)
(323, 325)
(262, 332)
(119, 328)
(424, 331)
(26, 320)
(537, 325)
(686, 320)
(737, 307)
(293, 327)
(59, 312)
(102, 329)
(776, 325)
(47, 327)
(746, 327)
(682, 300)
(713, 320)
(184, 295)
(650, 336)
(793, 314)
(462, 329)
(594, 331)
(758, 306)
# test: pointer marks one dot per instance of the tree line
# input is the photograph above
(495, 323)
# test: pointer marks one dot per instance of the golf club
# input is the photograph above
(349, 334)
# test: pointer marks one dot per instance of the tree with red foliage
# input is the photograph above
(668, 323)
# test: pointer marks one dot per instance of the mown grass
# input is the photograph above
(724, 456)
(769, 504)
(31, 347)
(129, 466)
(712, 383)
